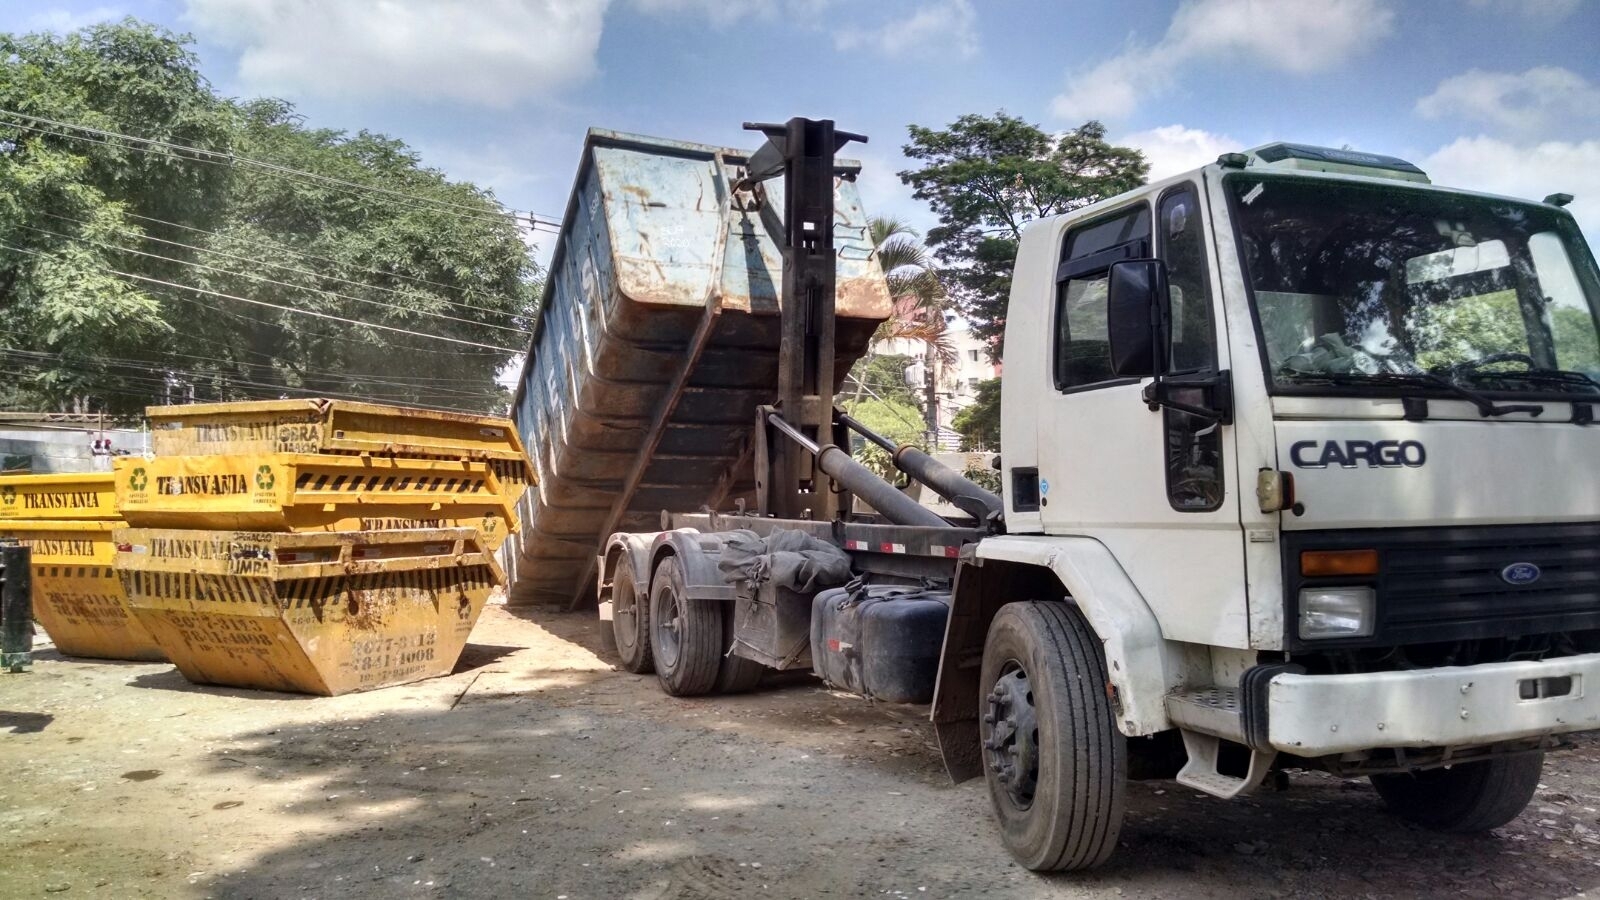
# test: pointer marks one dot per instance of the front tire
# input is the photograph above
(685, 634)
(1055, 763)
(1465, 798)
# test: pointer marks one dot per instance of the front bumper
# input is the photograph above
(1460, 706)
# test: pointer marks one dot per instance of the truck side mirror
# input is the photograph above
(1135, 309)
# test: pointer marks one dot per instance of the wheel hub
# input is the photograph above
(671, 628)
(1011, 742)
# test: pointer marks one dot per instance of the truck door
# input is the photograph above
(1159, 489)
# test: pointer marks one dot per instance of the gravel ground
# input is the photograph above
(539, 770)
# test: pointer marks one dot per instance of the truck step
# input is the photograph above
(1216, 711)
(1201, 771)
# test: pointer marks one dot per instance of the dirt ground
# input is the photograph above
(538, 770)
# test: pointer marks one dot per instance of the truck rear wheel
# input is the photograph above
(630, 619)
(685, 634)
(1054, 761)
(1464, 798)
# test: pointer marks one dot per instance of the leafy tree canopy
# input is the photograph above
(121, 260)
(979, 424)
(988, 176)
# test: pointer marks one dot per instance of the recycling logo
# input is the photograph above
(265, 479)
(138, 480)
(8, 494)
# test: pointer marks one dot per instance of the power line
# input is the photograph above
(290, 309)
(286, 284)
(263, 262)
(229, 158)
(159, 365)
(300, 253)
(161, 384)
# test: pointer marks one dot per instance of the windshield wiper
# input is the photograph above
(1548, 376)
(1486, 407)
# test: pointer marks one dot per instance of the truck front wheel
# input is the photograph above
(1054, 761)
(685, 634)
(1464, 798)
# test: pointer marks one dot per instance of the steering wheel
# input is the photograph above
(1473, 365)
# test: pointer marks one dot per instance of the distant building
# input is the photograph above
(44, 443)
(957, 383)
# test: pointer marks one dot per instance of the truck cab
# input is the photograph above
(1308, 445)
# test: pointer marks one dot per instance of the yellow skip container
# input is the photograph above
(302, 492)
(318, 613)
(343, 427)
(76, 596)
(76, 496)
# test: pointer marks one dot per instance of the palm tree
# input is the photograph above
(918, 311)
(914, 286)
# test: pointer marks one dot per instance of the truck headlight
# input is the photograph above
(1335, 612)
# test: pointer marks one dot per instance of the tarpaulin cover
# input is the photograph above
(791, 559)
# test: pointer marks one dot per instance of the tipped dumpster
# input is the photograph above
(68, 521)
(658, 336)
(340, 427)
(317, 612)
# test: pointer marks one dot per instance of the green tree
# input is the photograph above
(120, 259)
(979, 423)
(896, 420)
(988, 176)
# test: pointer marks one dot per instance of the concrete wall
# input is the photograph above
(64, 448)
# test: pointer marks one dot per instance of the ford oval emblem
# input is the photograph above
(1520, 573)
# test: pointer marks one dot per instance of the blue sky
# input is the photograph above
(1497, 95)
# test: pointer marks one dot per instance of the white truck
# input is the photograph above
(1299, 472)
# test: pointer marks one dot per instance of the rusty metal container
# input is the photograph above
(317, 613)
(340, 426)
(76, 596)
(662, 301)
(306, 492)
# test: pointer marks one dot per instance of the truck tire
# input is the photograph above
(736, 675)
(685, 634)
(1464, 798)
(630, 619)
(1055, 762)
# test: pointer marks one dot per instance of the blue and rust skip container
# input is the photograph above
(653, 236)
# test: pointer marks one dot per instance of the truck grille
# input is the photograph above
(1447, 584)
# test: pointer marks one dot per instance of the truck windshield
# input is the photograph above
(1391, 289)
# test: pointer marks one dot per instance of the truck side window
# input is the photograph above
(1193, 446)
(1193, 342)
(1082, 348)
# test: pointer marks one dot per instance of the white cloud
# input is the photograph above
(722, 13)
(1537, 102)
(936, 29)
(1531, 171)
(484, 52)
(1284, 35)
(1175, 149)
(64, 20)
(1546, 10)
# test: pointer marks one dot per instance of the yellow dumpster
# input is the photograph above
(76, 496)
(77, 596)
(340, 426)
(317, 612)
(297, 491)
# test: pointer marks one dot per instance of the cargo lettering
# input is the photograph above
(62, 500)
(1348, 454)
(215, 485)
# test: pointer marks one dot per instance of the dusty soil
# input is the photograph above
(538, 770)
